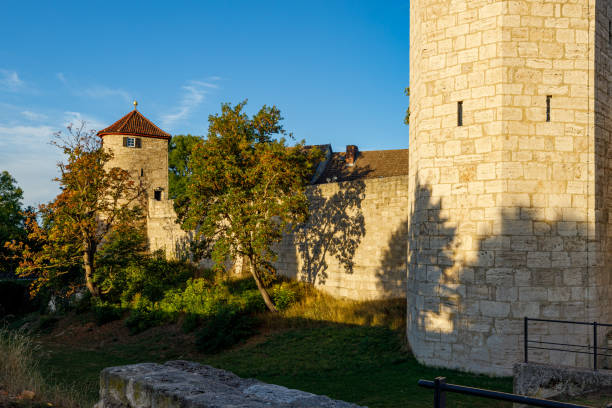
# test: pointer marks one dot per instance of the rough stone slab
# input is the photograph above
(546, 381)
(186, 384)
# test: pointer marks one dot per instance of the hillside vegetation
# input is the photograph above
(346, 349)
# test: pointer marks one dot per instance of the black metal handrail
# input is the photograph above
(440, 387)
(594, 347)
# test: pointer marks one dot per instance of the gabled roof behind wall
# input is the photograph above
(367, 164)
(134, 124)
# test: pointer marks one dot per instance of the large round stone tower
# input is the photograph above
(509, 176)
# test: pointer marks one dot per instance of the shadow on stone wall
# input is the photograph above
(335, 228)
(433, 292)
(471, 285)
(391, 275)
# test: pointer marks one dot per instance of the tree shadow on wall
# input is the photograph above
(334, 229)
(391, 275)
(471, 285)
(434, 291)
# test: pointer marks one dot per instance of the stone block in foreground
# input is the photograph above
(191, 385)
(547, 381)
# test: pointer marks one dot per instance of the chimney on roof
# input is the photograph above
(351, 154)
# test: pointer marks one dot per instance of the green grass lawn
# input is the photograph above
(365, 365)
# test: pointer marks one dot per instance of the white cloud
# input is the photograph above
(34, 171)
(194, 93)
(34, 116)
(20, 136)
(77, 117)
(61, 77)
(10, 80)
(99, 92)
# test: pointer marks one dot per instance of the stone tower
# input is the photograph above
(141, 148)
(509, 178)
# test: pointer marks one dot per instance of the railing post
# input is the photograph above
(525, 339)
(439, 395)
(595, 346)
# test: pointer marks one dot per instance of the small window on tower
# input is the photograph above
(548, 98)
(610, 32)
(141, 172)
(158, 195)
(460, 113)
(132, 142)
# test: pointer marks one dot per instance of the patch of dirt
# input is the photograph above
(78, 331)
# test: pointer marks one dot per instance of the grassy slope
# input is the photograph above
(365, 365)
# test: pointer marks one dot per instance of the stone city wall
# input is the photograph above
(163, 231)
(507, 212)
(354, 244)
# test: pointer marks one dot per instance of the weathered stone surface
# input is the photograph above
(191, 385)
(546, 381)
(533, 225)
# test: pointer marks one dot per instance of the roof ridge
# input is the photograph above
(134, 123)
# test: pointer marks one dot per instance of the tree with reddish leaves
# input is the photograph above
(95, 201)
(246, 188)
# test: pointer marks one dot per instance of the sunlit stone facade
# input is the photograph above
(508, 212)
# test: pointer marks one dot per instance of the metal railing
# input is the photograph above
(440, 388)
(590, 349)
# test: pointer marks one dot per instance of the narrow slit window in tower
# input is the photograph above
(158, 195)
(141, 172)
(460, 113)
(610, 32)
(548, 98)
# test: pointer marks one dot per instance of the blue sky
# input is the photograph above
(336, 70)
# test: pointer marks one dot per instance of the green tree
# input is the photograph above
(94, 201)
(246, 188)
(179, 152)
(11, 218)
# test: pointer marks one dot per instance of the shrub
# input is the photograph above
(14, 297)
(46, 324)
(150, 276)
(190, 322)
(106, 313)
(283, 297)
(224, 329)
(140, 320)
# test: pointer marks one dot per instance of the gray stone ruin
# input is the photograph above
(186, 384)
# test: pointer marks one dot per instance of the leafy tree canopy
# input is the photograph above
(246, 188)
(179, 152)
(11, 217)
(94, 202)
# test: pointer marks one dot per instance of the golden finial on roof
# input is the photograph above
(135, 105)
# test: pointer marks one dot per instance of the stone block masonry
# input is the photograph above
(354, 244)
(518, 194)
(147, 165)
(186, 384)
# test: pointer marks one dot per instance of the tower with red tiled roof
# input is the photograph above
(141, 148)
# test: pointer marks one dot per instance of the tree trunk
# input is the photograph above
(89, 270)
(262, 289)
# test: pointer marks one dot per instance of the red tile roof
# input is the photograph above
(369, 164)
(134, 124)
